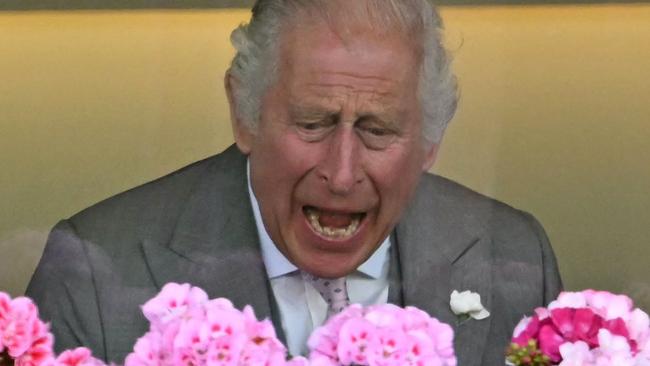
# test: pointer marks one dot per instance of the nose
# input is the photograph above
(341, 169)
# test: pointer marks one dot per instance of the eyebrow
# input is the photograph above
(310, 113)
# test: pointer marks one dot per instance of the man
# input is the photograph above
(338, 109)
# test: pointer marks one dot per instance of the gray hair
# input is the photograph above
(255, 66)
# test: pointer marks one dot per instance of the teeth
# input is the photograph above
(331, 232)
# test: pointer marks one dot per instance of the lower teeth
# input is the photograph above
(329, 231)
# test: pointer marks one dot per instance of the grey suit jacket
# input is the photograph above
(196, 225)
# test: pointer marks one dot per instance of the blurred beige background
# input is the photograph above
(553, 119)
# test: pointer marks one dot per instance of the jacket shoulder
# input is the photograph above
(454, 203)
(151, 209)
(436, 190)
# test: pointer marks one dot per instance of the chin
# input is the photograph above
(326, 263)
(330, 270)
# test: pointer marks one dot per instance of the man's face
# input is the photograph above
(339, 148)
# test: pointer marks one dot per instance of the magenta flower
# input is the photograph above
(605, 324)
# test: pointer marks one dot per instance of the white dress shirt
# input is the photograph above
(302, 308)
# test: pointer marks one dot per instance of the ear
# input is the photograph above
(243, 135)
(431, 153)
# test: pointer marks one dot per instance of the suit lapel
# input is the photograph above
(395, 295)
(215, 244)
(442, 248)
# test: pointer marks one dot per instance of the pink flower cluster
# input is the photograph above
(188, 329)
(23, 335)
(589, 328)
(382, 335)
(80, 356)
(27, 340)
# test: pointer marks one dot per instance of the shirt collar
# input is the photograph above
(278, 265)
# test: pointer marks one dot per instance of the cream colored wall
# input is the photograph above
(553, 119)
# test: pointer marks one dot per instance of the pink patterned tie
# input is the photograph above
(334, 291)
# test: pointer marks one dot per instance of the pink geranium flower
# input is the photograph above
(174, 301)
(189, 329)
(39, 353)
(603, 324)
(80, 356)
(382, 335)
(5, 308)
(23, 335)
(21, 326)
(26, 338)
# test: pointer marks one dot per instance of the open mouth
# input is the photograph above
(332, 224)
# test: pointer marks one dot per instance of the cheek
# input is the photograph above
(282, 161)
(395, 177)
(294, 157)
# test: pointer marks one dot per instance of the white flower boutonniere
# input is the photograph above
(467, 304)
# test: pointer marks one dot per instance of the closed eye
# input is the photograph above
(376, 135)
(315, 131)
(309, 126)
(379, 131)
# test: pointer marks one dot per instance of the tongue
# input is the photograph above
(334, 220)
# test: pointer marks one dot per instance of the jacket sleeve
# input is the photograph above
(64, 290)
(552, 279)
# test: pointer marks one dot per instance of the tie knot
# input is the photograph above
(333, 290)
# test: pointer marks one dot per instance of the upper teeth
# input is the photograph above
(333, 232)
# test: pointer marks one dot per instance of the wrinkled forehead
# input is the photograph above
(313, 53)
(378, 72)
